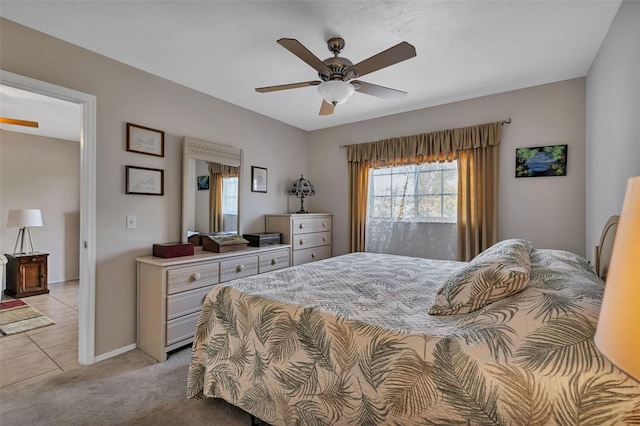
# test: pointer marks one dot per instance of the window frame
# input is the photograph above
(226, 199)
(442, 168)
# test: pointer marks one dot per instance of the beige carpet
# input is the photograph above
(17, 316)
(130, 389)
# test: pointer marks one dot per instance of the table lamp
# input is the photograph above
(618, 332)
(302, 189)
(24, 219)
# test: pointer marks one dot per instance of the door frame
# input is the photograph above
(88, 143)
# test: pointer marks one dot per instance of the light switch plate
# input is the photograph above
(131, 221)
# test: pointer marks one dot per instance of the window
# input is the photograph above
(230, 195)
(414, 193)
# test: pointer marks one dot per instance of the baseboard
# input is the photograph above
(116, 352)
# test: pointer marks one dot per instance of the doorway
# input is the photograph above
(87, 249)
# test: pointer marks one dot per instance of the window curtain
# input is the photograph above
(217, 173)
(478, 192)
(477, 168)
(358, 194)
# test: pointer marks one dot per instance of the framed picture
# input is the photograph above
(203, 182)
(142, 180)
(144, 140)
(538, 161)
(258, 179)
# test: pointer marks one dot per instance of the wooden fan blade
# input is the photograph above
(295, 47)
(18, 122)
(398, 53)
(287, 86)
(379, 91)
(326, 108)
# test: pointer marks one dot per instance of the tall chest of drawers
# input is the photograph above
(171, 291)
(309, 235)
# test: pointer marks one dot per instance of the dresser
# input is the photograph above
(309, 234)
(26, 274)
(171, 291)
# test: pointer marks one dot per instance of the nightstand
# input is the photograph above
(26, 274)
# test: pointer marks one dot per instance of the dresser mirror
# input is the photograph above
(210, 189)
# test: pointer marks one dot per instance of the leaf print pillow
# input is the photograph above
(498, 272)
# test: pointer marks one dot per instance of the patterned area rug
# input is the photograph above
(17, 316)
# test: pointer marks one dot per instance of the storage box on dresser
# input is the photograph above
(171, 291)
(309, 234)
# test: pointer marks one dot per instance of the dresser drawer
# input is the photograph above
(192, 277)
(170, 292)
(305, 241)
(186, 302)
(182, 328)
(272, 261)
(311, 224)
(238, 267)
(311, 255)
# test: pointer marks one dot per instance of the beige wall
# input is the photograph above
(125, 94)
(43, 173)
(613, 120)
(549, 211)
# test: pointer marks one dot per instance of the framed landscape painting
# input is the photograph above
(537, 161)
(203, 182)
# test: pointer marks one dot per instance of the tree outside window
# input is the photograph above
(419, 193)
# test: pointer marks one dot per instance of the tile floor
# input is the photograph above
(34, 355)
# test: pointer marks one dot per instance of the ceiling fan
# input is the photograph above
(336, 73)
(18, 122)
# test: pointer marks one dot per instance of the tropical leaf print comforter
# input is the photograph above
(349, 341)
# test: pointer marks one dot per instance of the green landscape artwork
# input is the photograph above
(541, 161)
(203, 182)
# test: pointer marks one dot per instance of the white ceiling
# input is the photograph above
(226, 49)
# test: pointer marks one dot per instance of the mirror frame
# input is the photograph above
(195, 149)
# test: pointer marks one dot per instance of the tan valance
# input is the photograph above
(425, 147)
(224, 170)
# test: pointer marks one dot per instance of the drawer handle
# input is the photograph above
(274, 261)
(324, 239)
(313, 255)
(301, 241)
(301, 225)
(196, 276)
(324, 224)
(240, 268)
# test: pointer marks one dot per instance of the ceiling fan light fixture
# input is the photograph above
(335, 92)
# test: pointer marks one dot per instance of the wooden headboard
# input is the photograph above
(605, 247)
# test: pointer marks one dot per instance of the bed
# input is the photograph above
(366, 339)
(604, 249)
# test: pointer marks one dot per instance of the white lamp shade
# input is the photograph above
(618, 332)
(335, 92)
(21, 218)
